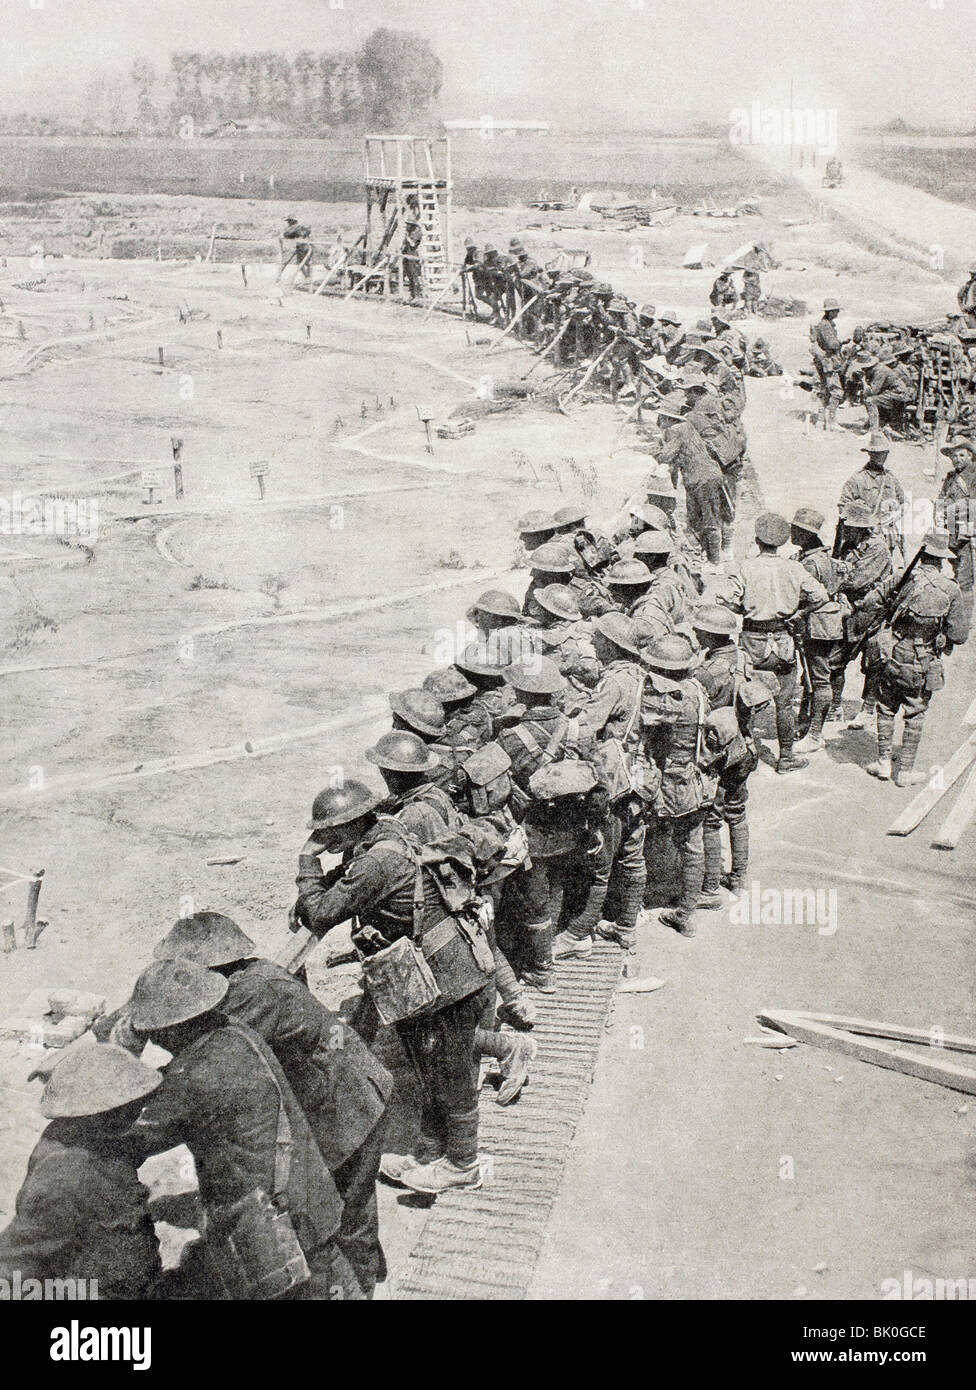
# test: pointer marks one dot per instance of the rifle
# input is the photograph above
(890, 604)
(838, 539)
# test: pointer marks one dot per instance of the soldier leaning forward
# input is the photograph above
(823, 637)
(930, 619)
(673, 713)
(82, 1213)
(427, 963)
(338, 1082)
(556, 820)
(271, 1204)
(565, 638)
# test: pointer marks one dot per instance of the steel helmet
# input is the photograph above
(830, 304)
(558, 600)
(498, 604)
(401, 751)
(207, 938)
(937, 543)
(653, 543)
(674, 652)
(535, 676)
(628, 572)
(552, 558)
(859, 518)
(96, 1079)
(712, 617)
(421, 710)
(653, 517)
(659, 487)
(570, 516)
(340, 805)
(448, 686)
(619, 630)
(535, 524)
(173, 991)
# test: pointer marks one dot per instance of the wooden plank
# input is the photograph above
(930, 796)
(951, 1042)
(877, 1051)
(954, 826)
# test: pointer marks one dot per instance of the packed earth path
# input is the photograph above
(180, 697)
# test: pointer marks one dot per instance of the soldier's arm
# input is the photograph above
(42, 1237)
(957, 621)
(868, 570)
(812, 592)
(283, 1011)
(321, 907)
(598, 710)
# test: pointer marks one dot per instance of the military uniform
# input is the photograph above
(770, 590)
(82, 1213)
(930, 618)
(866, 571)
(829, 362)
(879, 492)
(686, 456)
(736, 759)
(956, 510)
(222, 1096)
(339, 1084)
(824, 637)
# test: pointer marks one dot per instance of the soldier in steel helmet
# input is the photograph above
(226, 1097)
(823, 633)
(340, 1085)
(81, 1211)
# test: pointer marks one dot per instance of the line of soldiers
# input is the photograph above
(586, 324)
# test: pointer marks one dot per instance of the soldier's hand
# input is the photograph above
(294, 924)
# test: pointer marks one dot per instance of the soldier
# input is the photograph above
(413, 236)
(771, 592)
(761, 362)
(625, 353)
(337, 1081)
(494, 611)
(552, 563)
(494, 283)
(670, 590)
(619, 868)
(649, 331)
(723, 292)
(382, 883)
(418, 712)
(641, 518)
(734, 757)
(406, 765)
(823, 637)
(685, 454)
(484, 665)
(226, 1097)
(724, 667)
(866, 571)
(728, 337)
(302, 253)
(966, 298)
(875, 487)
(956, 509)
(672, 334)
(82, 1212)
(533, 284)
(535, 529)
(557, 833)
(884, 392)
(929, 621)
(467, 723)
(557, 621)
(751, 290)
(628, 585)
(673, 713)
(828, 360)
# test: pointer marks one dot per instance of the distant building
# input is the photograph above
(489, 126)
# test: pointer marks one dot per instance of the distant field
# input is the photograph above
(488, 173)
(944, 169)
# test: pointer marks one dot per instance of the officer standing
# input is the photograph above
(772, 591)
(956, 509)
(829, 362)
(875, 487)
(929, 621)
(867, 569)
(824, 628)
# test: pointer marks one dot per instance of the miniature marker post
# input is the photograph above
(244, 274)
(152, 481)
(162, 357)
(31, 928)
(177, 445)
(426, 414)
(260, 470)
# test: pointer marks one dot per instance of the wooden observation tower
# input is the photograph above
(408, 182)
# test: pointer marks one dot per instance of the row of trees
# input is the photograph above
(393, 79)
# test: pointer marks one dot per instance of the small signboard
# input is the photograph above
(260, 469)
(152, 478)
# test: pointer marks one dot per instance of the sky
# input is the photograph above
(576, 63)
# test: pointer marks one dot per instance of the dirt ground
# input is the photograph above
(179, 690)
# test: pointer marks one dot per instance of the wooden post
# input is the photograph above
(177, 466)
(162, 357)
(9, 940)
(244, 274)
(31, 930)
(220, 338)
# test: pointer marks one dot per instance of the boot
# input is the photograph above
(886, 732)
(442, 1175)
(566, 946)
(692, 878)
(880, 769)
(860, 719)
(625, 938)
(519, 1013)
(907, 776)
(515, 1066)
(810, 743)
(789, 762)
(539, 974)
(814, 740)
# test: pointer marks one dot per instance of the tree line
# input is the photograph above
(392, 80)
